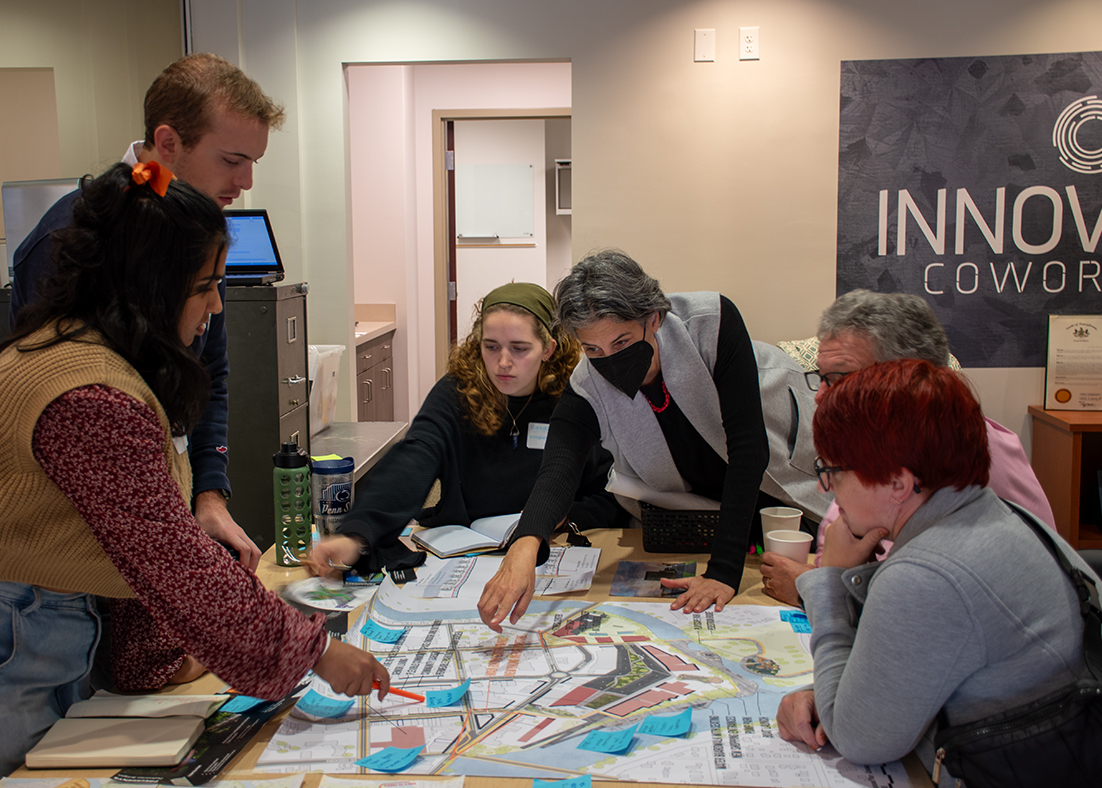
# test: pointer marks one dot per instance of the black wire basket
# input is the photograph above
(677, 530)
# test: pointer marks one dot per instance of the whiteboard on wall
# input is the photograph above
(494, 201)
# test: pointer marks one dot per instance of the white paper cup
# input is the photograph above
(791, 544)
(780, 518)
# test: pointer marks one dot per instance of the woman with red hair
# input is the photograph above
(970, 614)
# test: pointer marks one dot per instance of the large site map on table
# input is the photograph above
(570, 668)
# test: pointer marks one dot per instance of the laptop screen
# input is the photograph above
(253, 251)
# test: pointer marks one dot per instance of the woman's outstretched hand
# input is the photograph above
(510, 590)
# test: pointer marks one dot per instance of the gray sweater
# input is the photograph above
(969, 612)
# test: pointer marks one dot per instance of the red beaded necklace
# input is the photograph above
(665, 404)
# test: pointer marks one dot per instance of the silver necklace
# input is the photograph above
(515, 432)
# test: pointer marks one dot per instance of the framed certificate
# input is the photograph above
(1073, 376)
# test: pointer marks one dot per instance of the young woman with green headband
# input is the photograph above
(481, 432)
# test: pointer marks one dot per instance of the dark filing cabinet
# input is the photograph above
(269, 401)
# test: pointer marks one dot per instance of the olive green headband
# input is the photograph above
(527, 296)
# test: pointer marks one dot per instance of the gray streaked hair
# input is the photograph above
(608, 284)
(899, 325)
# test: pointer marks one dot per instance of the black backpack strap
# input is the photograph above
(1084, 586)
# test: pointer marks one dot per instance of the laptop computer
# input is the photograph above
(253, 256)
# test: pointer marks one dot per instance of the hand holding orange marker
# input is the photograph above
(401, 693)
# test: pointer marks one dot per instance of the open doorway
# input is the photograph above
(469, 266)
(393, 190)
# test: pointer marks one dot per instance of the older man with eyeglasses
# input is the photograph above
(862, 328)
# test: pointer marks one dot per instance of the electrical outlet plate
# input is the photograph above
(748, 44)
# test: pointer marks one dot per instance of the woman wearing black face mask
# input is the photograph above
(669, 386)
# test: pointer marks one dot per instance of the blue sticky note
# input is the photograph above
(381, 634)
(317, 705)
(582, 781)
(436, 699)
(797, 619)
(390, 759)
(675, 725)
(611, 742)
(240, 703)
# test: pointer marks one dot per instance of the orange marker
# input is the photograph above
(401, 693)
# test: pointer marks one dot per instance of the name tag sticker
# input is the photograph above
(537, 435)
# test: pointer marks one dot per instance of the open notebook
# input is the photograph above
(485, 533)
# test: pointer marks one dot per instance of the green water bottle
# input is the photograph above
(293, 510)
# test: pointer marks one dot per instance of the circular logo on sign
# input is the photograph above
(1062, 396)
(1076, 152)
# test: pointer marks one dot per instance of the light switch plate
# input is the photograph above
(704, 46)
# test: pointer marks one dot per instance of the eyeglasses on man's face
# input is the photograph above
(824, 472)
(815, 378)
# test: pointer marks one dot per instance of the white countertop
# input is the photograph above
(366, 331)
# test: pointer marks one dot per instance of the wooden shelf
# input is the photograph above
(1067, 454)
(1070, 420)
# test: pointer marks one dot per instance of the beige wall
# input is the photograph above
(714, 175)
(32, 128)
(104, 54)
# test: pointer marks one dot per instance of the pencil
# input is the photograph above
(401, 693)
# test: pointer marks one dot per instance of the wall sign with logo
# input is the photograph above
(975, 183)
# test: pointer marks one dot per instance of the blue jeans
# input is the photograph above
(47, 643)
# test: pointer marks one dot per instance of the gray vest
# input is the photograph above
(687, 342)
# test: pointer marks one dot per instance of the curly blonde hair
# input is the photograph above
(483, 404)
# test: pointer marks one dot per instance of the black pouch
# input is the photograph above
(1055, 740)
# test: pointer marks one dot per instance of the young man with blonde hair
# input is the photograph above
(207, 122)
